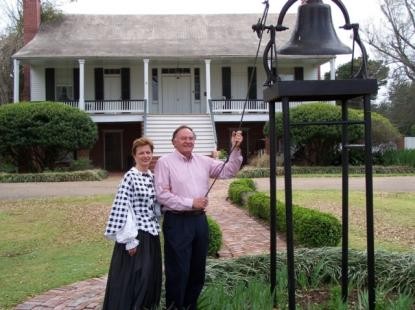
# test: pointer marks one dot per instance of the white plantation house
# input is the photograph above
(147, 74)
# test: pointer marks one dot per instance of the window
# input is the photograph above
(252, 83)
(112, 71)
(197, 84)
(64, 92)
(155, 84)
(175, 71)
(226, 83)
(298, 73)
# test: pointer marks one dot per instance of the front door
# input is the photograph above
(176, 94)
(113, 150)
(112, 87)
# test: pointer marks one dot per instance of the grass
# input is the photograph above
(47, 243)
(394, 216)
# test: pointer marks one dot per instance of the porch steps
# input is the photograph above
(159, 128)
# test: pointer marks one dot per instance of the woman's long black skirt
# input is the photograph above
(134, 282)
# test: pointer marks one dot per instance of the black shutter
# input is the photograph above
(50, 84)
(125, 83)
(226, 82)
(298, 73)
(252, 94)
(99, 83)
(75, 83)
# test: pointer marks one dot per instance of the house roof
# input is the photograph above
(152, 36)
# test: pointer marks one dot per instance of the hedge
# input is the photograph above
(85, 175)
(215, 237)
(311, 228)
(239, 189)
(254, 172)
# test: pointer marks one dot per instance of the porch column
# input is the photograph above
(207, 63)
(146, 61)
(81, 84)
(333, 69)
(16, 81)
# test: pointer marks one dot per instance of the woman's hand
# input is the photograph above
(132, 252)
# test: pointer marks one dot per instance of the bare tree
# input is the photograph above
(395, 39)
(12, 38)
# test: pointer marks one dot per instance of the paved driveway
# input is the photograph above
(109, 186)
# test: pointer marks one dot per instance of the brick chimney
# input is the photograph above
(31, 23)
(31, 19)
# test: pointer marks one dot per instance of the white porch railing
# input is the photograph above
(252, 106)
(111, 106)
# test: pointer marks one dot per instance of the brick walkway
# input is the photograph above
(242, 235)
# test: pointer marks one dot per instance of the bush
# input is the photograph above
(318, 144)
(86, 175)
(215, 237)
(315, 229)
(311, 228)
(80, 164)
(239, 189)
(399, 157)
(394, 271)
(36, 135)
(251, 172)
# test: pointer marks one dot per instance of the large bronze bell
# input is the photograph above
(314, 33)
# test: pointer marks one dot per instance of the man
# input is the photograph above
(182, 182)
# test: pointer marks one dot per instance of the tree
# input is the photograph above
(376, 69)
(394, 40)
(400, 107)
(33, 136)
(12, 40)
(319, 144)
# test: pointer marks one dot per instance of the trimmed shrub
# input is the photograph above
(318, 145)
(311, 228)
(314, 228)
(86, 175)
(215, 237)
(239, 189)
(34, 136)
(251, 172)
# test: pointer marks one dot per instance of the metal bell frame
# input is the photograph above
(308, 90)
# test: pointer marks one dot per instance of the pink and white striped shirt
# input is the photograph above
(178, 180)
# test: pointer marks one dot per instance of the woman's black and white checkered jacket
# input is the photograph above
(136, 189)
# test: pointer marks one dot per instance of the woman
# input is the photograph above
(134, 278)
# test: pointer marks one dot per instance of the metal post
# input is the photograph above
(345, 202)
(288, 202)
(273, 199)
(369, 203)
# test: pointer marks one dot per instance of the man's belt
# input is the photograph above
(186, 213)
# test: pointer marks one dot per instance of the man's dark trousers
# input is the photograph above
(185, 250)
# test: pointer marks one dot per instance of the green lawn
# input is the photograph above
(394, 216)
(47, 243)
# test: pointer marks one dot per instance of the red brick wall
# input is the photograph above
(130, 131)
